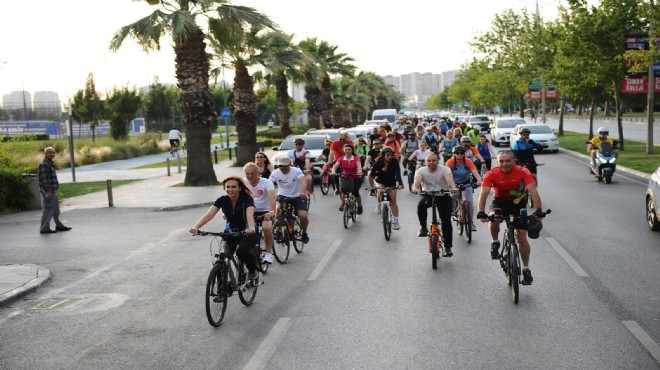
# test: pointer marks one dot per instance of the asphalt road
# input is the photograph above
(631, 130)
(128, 292)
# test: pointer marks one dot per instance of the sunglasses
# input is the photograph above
(260, 157)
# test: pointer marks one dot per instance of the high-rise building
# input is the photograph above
(47, 105)
(17, 105)
(417, 87)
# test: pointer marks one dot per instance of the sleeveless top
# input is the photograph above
(483, 150)
(266, 172)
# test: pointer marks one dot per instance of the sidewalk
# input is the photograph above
(157, 190)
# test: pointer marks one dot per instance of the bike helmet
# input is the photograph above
(534, 228)
(525, 130)
(603, 132)
(386, 149)
(299, 141)
(476, 127)
(466, 139)
(458, 149)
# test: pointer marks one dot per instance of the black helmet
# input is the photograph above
(386, 149)
(525, 130)
(458, 149)
(534, 228)
(299, 141)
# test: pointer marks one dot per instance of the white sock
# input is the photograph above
(395, 219)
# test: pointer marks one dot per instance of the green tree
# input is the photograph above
(266, 104)
(124, 105)
(159, 106)
(88, 107)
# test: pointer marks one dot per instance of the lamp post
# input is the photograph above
(542, 99)
(650, 93)
(71, 155)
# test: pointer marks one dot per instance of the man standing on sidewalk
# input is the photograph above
(48, 186)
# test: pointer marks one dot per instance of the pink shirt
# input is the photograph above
(349, 166)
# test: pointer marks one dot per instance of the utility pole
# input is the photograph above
(651, 88)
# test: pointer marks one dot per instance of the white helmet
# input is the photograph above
(476, 127)
(603, 132)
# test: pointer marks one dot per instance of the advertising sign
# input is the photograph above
(636, 80)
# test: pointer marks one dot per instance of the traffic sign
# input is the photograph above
(225, 112)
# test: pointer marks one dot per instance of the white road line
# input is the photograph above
(644, 338)
(567, 257)
(268, 346)
(317, 271)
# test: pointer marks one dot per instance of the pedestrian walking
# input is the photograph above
(48, 186)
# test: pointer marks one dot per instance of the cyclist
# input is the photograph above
(387, 173)
(263, 193)
(486, 150)
(409, 146)
(300, 158)
(291, 184)
(596, 141)
(337, 150)
(461, 169)
(351, 168)
(238, 209)
(447, 144)
(361, 149)
(435, 177)
(471, 152)
(509, 180)
(391, 142)
(175, 139)
(431, 138)
(420, 154)
(263, 164)
(474, 134)
(523, 151)
(369, 162)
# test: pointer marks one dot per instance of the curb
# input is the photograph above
(641, 175)
(43, 277)
(185, 206)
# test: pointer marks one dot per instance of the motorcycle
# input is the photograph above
(604, 164)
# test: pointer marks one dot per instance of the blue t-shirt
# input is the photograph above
(236, 215)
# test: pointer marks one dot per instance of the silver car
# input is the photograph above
(501, 130)
(652, 195)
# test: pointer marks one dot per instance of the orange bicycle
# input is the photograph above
(435, 235)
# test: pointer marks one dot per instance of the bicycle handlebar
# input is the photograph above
(386, 188)
(501, 217)
(462, 187)
(434, 192)
(223, 234)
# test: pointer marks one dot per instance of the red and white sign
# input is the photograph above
(639, 85)
(550, 94)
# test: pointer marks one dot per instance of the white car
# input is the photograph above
(500, 131)
(541, 133)
(314, 143)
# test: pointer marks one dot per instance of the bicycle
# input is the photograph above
(228, 275)
(435, 237)
(385, 210)
(326, 179)
(509, 254)
(286, 231)
(463, 212)
(174, 151)
(350, 204)
(262, 242)
(412, 167)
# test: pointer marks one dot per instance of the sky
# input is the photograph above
(53, 45)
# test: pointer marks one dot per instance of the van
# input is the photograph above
(381, 114)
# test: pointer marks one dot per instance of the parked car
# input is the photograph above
(652, 196)
(541, 133)
(332, 133)
(481, 120)
(361, 130)
(501, 130)
(314, 143)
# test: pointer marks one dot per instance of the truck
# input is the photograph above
(381, 114)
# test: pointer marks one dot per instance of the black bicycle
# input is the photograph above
(509, 254)
(287, 230)
(258, 220)
(463, 212)
(228, 275)
(435, 237)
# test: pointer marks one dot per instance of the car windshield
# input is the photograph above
(311, 143)
(510, 123)
(540, 129)
(479, 119)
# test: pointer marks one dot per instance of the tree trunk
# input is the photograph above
(592, 112)
(281, 90)
(246, 114)
(619, 113)
(562, 107)
(522, 106)
(326, 102)
(312, 95)
(196, 103)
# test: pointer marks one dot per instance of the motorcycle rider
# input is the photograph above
(596, 142)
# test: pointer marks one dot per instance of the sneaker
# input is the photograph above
(253, 275)
(422, 232)
(267, 258)
(372, 193)
(359, 210)
(448, 252)
(396, 226)
(527, 277)
(377, 210)
(474, 227)
(341, 208)
(494, 250)
(304, 238)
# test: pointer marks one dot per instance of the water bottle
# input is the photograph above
(227, 227)
(523, 216)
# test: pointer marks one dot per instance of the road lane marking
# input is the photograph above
(645, 339)
(567, 257)
(269, 344)
(317, 271)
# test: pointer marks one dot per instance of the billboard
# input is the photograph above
(636, 79)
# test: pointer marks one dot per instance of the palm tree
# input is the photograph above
(180, 19)
(318, 89)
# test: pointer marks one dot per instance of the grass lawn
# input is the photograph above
(222, 155)
(71, 190)
(634, 156)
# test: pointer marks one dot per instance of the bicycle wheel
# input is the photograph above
(354, 210)
(411, 179)
(325, 185)
(216, 294)
(247, 289)
(435, 250)
(347, 214)
(467, 222)
(387, 224)
(296, 236)
(459, 219)
(282, 241)
(514, 272)
(309, 202)
(262, 247)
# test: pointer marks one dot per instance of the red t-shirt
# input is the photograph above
(349, 168)
(338, 147)
(508, 186)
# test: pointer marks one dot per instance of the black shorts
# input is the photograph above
(509, 208)
(299, 204)
(172, 141)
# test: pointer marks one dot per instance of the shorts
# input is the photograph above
(509, 208)
(299, 204)
(172, 141)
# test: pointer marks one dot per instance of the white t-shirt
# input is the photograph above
(287, 185)
(433, 181)
(260, 193)
(175, 134)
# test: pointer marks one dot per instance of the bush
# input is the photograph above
(14, 192)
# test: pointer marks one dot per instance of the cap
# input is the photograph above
(283, 161)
